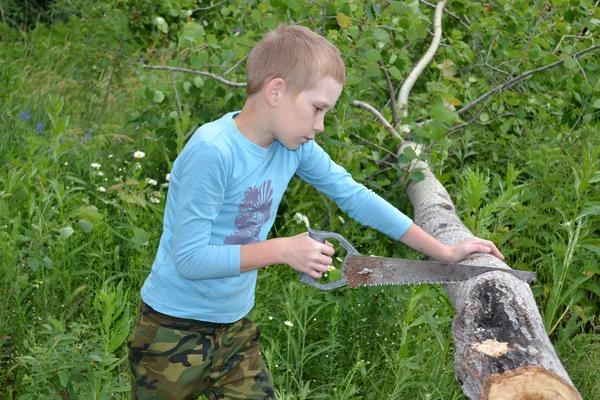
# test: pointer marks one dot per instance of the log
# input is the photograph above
(502, 349)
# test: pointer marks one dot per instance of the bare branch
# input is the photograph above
(377, 114)
(191, 71)
(519, 78)
(463, 23)
(422, 64)
(390, 86)
(237, 64)
(209, 7)
(574, 37)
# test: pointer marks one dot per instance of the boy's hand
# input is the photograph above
(461, 250)
(306, 255)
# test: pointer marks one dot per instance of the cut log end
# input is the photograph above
(528, 383)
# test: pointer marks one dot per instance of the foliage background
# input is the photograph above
(522, 168)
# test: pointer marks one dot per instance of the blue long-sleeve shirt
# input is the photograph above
(224, 192)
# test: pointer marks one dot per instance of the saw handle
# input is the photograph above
(322, 236)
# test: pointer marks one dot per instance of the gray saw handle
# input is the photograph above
(321, 236)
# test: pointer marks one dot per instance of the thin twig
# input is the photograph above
(487, 56)
(237, 64)
(463, 23)
(540, 19)
(390, 86)
(423, 62)
(474, 121)
(3, 16)
(373, 144)
(587, 99)
(176, 93)
(312, 21)
(378, 115)
(519, 78)
(209, 7)
(324, 18)
(191, 71)
(112, 75)
(574, 37)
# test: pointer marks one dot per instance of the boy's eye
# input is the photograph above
(318, 109)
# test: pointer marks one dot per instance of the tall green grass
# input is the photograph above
(76, 245)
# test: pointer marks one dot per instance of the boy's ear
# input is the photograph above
(273, 90)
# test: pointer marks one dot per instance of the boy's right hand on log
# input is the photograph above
(306, 255)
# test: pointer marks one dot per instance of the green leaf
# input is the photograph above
(591, 247)
(343, 20)
(484, 117)
(86, 225)
(353, 80)
(395, 72)
(570, 63)
(293, 4)
(63, 378)
(441, 113)
(66, 232)
(33, 263)
(159, 96)
(198, 81)
(373, 55)
(48, 262)
(381, 35)
(89, 213)
(140, 237)
(596, 103)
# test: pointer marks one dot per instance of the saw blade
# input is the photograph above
(372, 271)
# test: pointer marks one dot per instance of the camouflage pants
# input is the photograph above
(181, 359)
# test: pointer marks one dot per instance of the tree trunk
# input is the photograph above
(502, 349)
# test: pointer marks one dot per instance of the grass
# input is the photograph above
(73, 257)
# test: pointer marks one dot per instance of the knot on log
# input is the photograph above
(491, 347)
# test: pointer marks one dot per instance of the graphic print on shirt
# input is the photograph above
(253, 212)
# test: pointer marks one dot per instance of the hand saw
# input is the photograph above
(360, 270)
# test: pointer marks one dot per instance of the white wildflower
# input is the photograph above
(168, 177)
(101, 189)
(99, 173)
(330, 268)
(152, 182)
(139, 154)
(270, 318)
(96, 165)
(289, 323)
(155, 200)
(110, 156)
(404, 128)
(165, 185)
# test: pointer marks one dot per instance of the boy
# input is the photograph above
(191, 336)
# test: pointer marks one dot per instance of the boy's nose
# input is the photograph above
(319, 125)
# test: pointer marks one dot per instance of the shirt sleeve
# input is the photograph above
(202, 180)
(361, 203)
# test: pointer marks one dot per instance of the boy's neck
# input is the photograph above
(252, 124)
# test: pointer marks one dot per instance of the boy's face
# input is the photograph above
(297, 120)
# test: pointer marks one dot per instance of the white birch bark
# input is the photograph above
(497, 329)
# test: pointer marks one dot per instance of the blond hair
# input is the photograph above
(295, 54)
